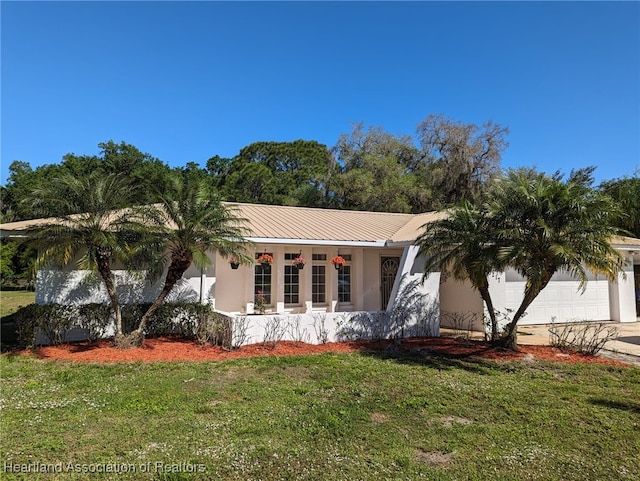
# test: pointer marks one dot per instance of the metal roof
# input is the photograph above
(280, 224)
(275, 223)
(327, 225)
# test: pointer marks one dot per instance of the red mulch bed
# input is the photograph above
(169, 349)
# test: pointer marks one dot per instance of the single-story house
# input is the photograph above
(382, 269)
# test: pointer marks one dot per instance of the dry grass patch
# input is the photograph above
(379, 418)
(449, 421)
(433, 458)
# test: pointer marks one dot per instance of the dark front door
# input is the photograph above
(388, 272)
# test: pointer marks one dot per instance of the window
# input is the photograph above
(319, 257)
(319, 277)
(291, 280)
(344, 284)
(262, 282)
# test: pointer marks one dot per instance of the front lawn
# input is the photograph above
(331, 416)
(10, 301)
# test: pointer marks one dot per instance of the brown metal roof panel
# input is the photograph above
(321, 224)
(414, 227)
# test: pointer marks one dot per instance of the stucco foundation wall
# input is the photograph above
(313, 328)
(319, 327)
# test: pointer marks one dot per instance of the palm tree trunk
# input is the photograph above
(486, 297)
(180, 262)
(103, 257)
(510, 340)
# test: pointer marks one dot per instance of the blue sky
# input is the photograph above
(186, 81)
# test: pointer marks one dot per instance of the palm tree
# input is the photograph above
(462, 245)
(88, 222)
(545, 225)
(189, 222)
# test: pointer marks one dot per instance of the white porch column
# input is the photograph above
(357, 278)
(208, 281)
(332, 282)
(622, 303)
(203, 285)
(250, 284)
(277, 278)
(306, 279)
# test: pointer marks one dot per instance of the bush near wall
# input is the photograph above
(54, 323)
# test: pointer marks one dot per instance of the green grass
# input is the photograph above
(328, 417)
(10, 301)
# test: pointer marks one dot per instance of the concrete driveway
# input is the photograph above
(626, 347)
(627, 343)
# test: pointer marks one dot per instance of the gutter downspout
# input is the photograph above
(203, 278)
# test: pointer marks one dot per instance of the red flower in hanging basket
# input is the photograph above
(234, 261)
(299, 261)
(265, 259)
(338, 261)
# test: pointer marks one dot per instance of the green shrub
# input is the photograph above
(186, 320)
(95, 318)
(53, 321)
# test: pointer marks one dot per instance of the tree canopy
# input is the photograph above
(146, 173)
(201, 224)
(626, 193)
(94, 239)
(368, 169)
(461, 158)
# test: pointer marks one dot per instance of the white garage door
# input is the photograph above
(561, 300)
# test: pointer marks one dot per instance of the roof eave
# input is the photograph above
(626, 247)
(402, 243)
(321, 242)
(12, 234)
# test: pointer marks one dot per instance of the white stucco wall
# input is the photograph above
(622, 294)
(461, 306)
(85, 287)
(415, 295)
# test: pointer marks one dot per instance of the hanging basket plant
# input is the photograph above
(338, 262)
(235, 263)
(265, 259)
(299, 262)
